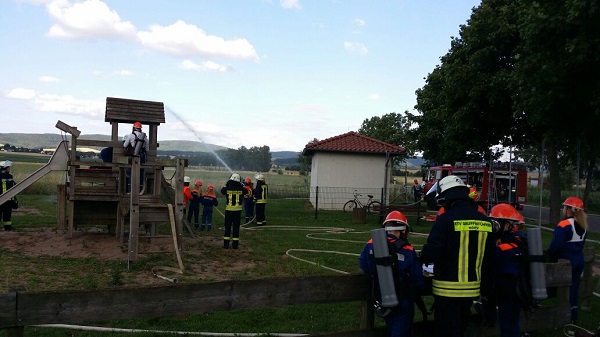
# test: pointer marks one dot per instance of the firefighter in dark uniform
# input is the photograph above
(407, 272)
(509, 270)
(6, 183)
(459, 246)
(233, 192)
(260, 195)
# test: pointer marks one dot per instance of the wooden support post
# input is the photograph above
(61, 206)
(179, 206)
(134, 209)
(367, 315)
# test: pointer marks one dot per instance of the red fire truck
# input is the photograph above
(496, 183)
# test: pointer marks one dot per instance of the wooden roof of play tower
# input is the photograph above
(121, 110)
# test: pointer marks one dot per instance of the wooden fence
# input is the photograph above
(19, 309)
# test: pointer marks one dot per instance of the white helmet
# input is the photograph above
(186, 179)
(6, 163)
(260, 176)
(235, 177)
(451, 188)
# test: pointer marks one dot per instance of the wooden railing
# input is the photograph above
(19, 309)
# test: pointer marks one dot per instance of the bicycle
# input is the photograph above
(352, 204)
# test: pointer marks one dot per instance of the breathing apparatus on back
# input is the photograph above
(385, 260)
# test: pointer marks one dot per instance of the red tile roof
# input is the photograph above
(352, 142)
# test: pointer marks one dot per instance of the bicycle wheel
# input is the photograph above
(349, 206)
(371, 205)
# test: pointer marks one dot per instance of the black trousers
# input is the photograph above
(232, 222)
(451, 316)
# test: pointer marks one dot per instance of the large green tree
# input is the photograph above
(391, 128)
(521, 73)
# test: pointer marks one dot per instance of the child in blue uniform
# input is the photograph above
(209, 200)
(408, 274)
(567, 243)
(509, 259)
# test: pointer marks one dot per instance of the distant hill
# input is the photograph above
(49, 140)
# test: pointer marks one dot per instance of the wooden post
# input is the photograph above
(61, 206)
(134, 209)
(586, 288)
(179, 206)
(367, 315)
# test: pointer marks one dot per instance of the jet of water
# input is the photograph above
(198, 137)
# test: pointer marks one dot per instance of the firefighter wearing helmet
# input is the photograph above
(407, 272)
(6, 183)
(233, 192)
(248, 199)
(460, 248)
(509, 274)
(260, 193)
(567, 243)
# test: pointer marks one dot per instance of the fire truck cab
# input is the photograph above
(496, 183)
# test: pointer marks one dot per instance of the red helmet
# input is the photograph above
(395, 221)
(211, 187)
(473, 194)
(137, 125)
(506, 211)
(198, 183)
(574, 202)
(248, 180)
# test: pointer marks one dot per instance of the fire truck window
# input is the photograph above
(445, 173)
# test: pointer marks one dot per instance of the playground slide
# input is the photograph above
(58, 162)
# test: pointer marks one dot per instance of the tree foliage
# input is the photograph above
(391, 128)
(521, 73)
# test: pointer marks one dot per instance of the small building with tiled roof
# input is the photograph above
(347, 164)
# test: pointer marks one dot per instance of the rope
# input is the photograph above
(574, 328)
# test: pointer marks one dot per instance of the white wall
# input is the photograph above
(338, 175)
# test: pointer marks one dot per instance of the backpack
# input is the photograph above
(129, 150)
(524, 295)
(401, 283)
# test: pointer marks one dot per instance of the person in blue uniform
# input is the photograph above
(567, 243)
(248, 200)
(509, 261)
(408, 274)
(209, 201)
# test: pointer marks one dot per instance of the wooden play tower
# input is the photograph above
(96, 193)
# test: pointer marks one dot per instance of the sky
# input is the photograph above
(232, 73)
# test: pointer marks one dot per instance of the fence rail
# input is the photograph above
(20, 309)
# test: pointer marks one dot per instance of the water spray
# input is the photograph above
(198, 137)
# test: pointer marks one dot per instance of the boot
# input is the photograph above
(209, 227)
(226, 244)
(8, 227)
(235, 244)
(202, 227)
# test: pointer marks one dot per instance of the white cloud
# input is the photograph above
(360, 22)
(69, 105)
(374, 97)
(123, 73)
(47, 79)
(20, 93)
(206, 65)
(184, 39)
(356, 48)
(290, 4)
(88, 19)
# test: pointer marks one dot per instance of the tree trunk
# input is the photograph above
(589, 179)
(555, 197)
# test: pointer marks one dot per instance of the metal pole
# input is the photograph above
(541, 183)
(510, 175)
(405, 182)
(578, 160)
